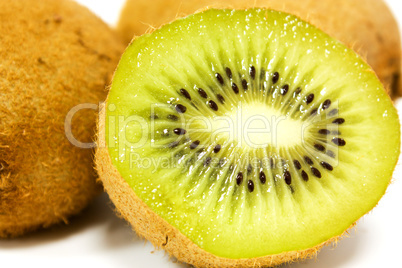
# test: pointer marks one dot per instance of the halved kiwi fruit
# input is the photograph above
(244, 138)
(367, 26)
(54, 55)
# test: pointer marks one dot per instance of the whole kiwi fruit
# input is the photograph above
(54, 55)
(367, 26)
(244, 138)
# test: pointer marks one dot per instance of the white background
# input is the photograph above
(99, 239)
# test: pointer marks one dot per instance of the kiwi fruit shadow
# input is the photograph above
(99, 214)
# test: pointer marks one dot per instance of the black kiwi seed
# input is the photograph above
(221, 98)
(308, 160)
(326, 166)
(235, 88)
(179, 131)
(252, 72)
(297, 91)
(194, 145)
(324, 132)
(154, 117)
(172, 117)
(297, 164)
(173, 144)
(304, 175)
(217, 148)
(331, 154)
(310, 98)
(250, 186)
(326, 104)
(213, 105)
(333, 112)
(181, 108)
(249, 169)
(284, 90)
(219, 78)
(228, 72)
(319, 147)
(185, 93)
(314, 112)
(339, 121)
(339, 141)
(336, 132)
(202, 93)
(244, 84)
(263, 178)
(207, 161)
(239, 178)
(275, 78)
(288, 177)
(316, 172)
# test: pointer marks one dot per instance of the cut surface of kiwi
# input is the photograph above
(251, 132)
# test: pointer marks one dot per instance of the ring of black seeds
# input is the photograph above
(261, 176)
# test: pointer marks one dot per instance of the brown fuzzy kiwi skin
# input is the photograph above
(367, 26)
(54, 55)
(147, 224)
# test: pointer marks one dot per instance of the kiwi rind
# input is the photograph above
(359, 24)
(54, 56)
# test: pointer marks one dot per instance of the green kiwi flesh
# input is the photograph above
(323, 134)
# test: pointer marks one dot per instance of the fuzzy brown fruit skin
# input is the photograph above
(161, 234)
(54, 55)
(367, 26)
